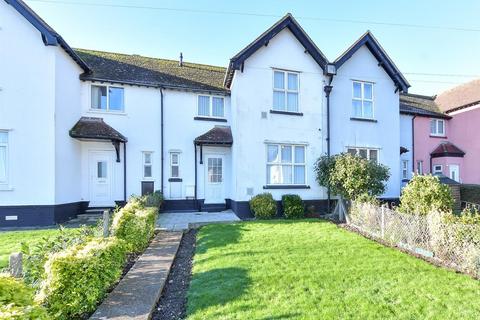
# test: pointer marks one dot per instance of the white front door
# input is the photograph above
(214, 179)
(101, 177)
(454, 172)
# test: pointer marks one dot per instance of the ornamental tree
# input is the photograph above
(351, 177)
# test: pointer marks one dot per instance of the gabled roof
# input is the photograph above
(420, 105)
(460, 97)
(90, 128)
(145, 71)
(49, 36)
(286, 22)
(383, 59)
(447, 149)
(218, 135)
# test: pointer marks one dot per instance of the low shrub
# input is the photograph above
(135, 224)
(153, 199)
(35, 255)
(263, 206)
(293, 207)
(16, 300)
(79, 277)
(424, 194)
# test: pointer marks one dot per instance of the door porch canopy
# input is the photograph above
(220, 136)
(95, 129)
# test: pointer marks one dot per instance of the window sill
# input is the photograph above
(438, 136)
(287, 186)
(119, 113)
(363, 119)
(210, 119)
(5, 187)
(175, 180)
(288, 113)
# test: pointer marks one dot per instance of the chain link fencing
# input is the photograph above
(453, 244)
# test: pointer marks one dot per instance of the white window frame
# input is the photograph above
(6, 145)
(437, 133)
(145, 164)
(292, 164)
(368, 149)
(175, 165)
(362, 99)
(285, 89)
(435, 171)
(210, 106)
(405, 169)
(108, 99)
(419, 166)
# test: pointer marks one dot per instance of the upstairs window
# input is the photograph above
(211, 106)
(286, 164)
(147, 165)
(107, 98)
(285, 91)
(437, 127)
(362, 100)
(3, 157)
(366, 153)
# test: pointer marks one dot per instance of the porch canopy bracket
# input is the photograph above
(95, 129)
(220, 136)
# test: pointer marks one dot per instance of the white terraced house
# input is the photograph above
(82, 128)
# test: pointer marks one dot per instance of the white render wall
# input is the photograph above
(252, 94)
(383, 134)
(27, 109)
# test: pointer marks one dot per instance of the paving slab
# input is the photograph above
(137, 293)
(178, 221)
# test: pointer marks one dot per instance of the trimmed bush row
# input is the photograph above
(73, 272)
(265, 207)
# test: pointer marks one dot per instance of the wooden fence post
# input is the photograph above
(382, 227)
(106, 220)
(15, 264)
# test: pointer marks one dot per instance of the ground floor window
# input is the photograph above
(147, 165)
(420, 167)
(174, 165)
(3, 156)
(286, 164)
(366, 153)
(404, 169)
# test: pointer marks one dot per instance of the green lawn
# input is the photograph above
(315, 270)
(10, 241)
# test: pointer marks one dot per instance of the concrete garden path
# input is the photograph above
(138, 292)
(177, 221)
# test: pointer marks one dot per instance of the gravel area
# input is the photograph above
(173, 301)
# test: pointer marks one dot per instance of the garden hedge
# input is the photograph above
(293, 207)
(78, 278)
(16, 301)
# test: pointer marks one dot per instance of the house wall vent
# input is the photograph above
(249, 191)
(264, 115)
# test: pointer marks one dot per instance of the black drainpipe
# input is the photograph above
(161, 139)
(327, 90)
(125, 172)
(195, 192)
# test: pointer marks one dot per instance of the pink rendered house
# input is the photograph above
(446, 139)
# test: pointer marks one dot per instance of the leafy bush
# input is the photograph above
(351, 176)
(425, 193)
(16, 300)
(134, 224)
(35, 255)
(293, 207)
(263, 206)
(79, 277)
(154, 199)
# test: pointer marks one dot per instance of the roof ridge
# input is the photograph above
(222, 69)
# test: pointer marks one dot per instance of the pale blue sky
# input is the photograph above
(213, 38)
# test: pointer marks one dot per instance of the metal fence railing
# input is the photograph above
(453, 244)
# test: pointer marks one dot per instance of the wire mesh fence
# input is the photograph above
(453, 244)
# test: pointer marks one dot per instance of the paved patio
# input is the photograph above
(177, 221)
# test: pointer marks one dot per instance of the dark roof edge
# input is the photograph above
(49, 36)
(288, 21)
(86, 77)
(471, 104)
(433, 115)
(421, 96)
(376, 49)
